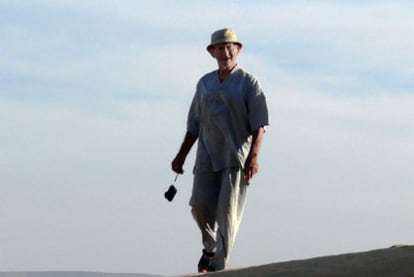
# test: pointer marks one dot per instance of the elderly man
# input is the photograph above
(228, 115)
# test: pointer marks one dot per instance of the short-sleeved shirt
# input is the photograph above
(223, 115)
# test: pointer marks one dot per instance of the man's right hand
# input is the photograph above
(177, 164)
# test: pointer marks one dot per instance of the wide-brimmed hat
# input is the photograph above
(223, 36)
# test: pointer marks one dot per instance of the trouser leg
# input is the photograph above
(230, 207)
(203, 200)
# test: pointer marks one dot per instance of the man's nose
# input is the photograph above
(226, 52)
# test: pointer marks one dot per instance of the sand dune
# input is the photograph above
(72, 274)
(393, 261)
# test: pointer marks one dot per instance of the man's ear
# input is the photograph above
(210, 50)
(239, 47)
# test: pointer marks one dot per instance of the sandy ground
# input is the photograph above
(72, 274)
(393, 261)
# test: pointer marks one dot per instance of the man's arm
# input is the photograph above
(178, 162)
(251, 166)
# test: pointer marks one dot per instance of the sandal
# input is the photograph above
(204, 262)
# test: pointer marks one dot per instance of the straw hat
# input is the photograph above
(223, 36)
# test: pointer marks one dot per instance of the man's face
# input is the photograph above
(226, 55)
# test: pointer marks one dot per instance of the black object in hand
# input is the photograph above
(170, 193)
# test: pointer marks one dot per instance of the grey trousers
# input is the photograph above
(217, 201)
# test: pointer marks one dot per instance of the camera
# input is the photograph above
(170, 193)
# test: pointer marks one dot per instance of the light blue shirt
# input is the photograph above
(223, 115)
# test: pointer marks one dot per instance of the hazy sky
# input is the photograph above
(93, 102)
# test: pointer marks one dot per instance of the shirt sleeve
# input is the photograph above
(193, 118)
(257, 106)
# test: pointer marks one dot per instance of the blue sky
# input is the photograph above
(94, 97)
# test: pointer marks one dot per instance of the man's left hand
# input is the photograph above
(251, 167)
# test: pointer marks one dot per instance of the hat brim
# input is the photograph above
(224, 41)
